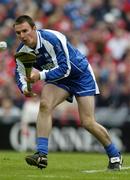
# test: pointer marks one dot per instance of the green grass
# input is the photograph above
(62, 166)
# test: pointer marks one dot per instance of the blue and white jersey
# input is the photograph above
(56, 58)
(58, 61)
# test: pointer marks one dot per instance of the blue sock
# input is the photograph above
(112, 151)
(42, 145)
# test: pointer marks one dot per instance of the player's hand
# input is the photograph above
(34, 77)
(29, 93)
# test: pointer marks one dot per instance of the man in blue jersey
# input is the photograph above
(67, 73)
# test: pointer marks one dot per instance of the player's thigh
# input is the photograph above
(86, 107)
(53, 95)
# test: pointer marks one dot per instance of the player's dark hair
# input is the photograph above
(24, 18)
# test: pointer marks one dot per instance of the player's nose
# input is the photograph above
(22, 35)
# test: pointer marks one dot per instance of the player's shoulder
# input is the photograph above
(49, 32)
(22, 47)
(51, 35)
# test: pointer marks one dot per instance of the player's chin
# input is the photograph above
(25, 42)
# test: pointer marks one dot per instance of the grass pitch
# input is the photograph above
(62, 166)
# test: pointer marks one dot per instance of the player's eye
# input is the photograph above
(25, 31)
(18, 33)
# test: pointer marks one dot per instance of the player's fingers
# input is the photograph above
(29, 94)
(30, 80)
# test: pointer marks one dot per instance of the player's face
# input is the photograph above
(26, 34)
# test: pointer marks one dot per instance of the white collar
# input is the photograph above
(38, 40)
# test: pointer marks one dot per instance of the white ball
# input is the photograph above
(3, 45)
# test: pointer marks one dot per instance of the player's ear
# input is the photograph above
(34, 28)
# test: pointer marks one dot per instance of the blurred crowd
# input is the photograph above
(98, 28)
